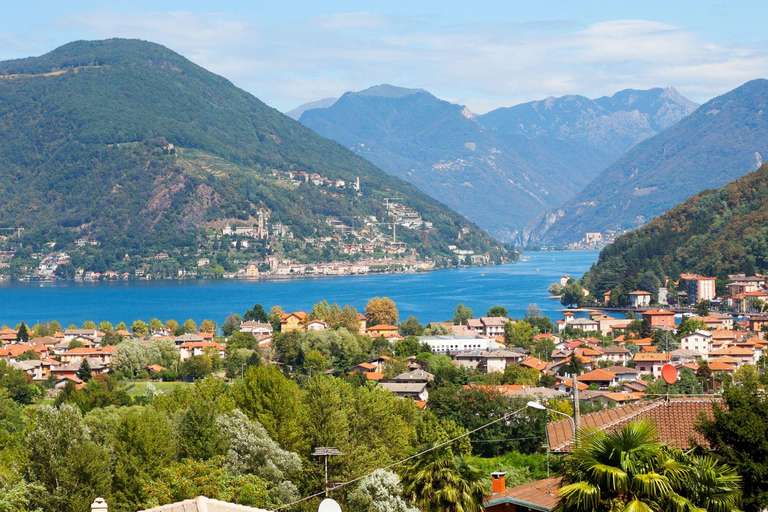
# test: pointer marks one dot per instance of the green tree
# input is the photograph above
(498, 311)
(22, 333)
(29, 355)
(139, 328)
(257, 314)
(84, 372)
(555, 289)
(75, 344)
(54, 327)
(189, 326)
(411, 327)
(738, 433)
(518, 334)
(572, 294)
(267, 396)
(121, 327)
(440, 482)
(520, 375)
(106, 327)
(70, 468)
(702, 308)
(315, 362)
(231, 325)
(407, 347)
(461, 314)
(89, 324)
(689, 325)
(155, 325)
(196, 367)
(628, 469)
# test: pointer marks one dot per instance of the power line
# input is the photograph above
(502, 440)
(339, 486)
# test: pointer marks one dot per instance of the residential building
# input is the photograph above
(385, 330)
(603, 378)
(651, 363)
(256, 328)
(659, 318)
(488, 325)
(615, 354)
(317, 325)
(699, 288)
(293, 321)
(639, 299)
(698, 341)
(454, 344)
(488, 361)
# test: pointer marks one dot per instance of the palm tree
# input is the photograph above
(713, 487)
(440, 482)
(628, 469)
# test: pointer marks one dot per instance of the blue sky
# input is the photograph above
(481, 54)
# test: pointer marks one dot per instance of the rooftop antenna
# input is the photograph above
(325, 452)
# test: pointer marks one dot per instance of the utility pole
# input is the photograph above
(325, 452)
(576, 412)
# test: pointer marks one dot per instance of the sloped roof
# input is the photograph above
(203, 504)
(598, 375)
(540, 495)
(674, 419)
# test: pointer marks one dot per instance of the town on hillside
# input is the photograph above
(260, 247)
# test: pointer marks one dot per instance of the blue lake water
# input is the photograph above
(429, 296)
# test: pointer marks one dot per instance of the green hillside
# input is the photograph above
(715, 233)
(84, 129)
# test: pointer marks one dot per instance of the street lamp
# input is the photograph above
(537, 405)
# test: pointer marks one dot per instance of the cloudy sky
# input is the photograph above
(483, 54)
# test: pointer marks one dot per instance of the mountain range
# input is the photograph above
(502, 169)
(131, 145)
(722, 140)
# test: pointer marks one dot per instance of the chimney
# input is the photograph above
(499, 483)
(99, 505)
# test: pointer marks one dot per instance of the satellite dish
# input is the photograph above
(669, 373)
(329, 505)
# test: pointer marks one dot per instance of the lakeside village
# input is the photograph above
(597, 371)
(258, 248)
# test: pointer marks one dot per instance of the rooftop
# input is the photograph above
(674, 419)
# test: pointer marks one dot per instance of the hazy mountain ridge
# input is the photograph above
(497, 176)
(722, 140)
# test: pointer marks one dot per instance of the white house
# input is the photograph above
(487, 325)
(256, 328)
(698, 341)
(639, 299)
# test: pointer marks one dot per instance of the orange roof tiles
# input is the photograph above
(675, 420)
(598, 375)
(543, 494)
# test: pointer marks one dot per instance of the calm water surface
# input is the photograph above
(430, 296)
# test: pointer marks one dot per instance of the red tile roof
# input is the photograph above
(674, 419)
(540, 495)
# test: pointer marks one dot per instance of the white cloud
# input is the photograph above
(481, 65)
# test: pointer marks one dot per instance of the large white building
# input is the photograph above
(453, 344)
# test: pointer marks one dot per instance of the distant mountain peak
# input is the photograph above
(323, 103)
(388, 91)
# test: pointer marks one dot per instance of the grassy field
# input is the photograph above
(138, 388)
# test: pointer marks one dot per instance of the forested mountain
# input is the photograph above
(714, 233)
(488, 167)
(612, 123)
(722, 140)
(85, 132)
